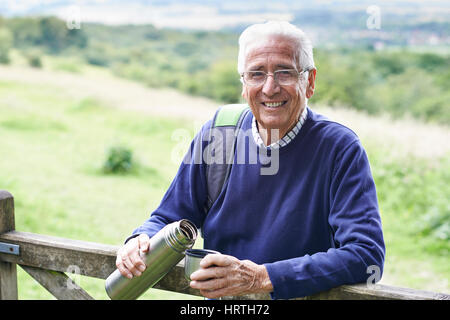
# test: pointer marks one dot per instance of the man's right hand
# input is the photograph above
(129, 261)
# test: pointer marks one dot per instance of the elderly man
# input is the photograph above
(313, 224)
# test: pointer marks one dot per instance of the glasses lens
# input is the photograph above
(254, 78)
(286, 77)
(282, 77)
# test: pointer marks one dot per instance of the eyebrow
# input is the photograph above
(278, 66)
(285, 66)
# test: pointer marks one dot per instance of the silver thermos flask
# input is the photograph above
(167, 248)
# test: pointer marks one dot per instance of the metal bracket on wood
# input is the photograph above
(9, 248)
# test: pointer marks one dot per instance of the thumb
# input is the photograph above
(144, 242)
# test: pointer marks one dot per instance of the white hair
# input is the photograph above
(256, 32)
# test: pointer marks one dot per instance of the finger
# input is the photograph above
(127, 262)
(203, 274)
(135, 252)
(210, 294)
(144, 242)
(137, 261)
(124, 271)
(129, 251)
(221, 260)
(210, 285)
(214, 294)
(130, 264)
(121, 267)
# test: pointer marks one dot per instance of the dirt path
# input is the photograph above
(405, 137)
(116, 92)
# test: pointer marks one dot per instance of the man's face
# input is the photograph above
(269, 55)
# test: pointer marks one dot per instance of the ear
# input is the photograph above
(311, 83)
(244, 92)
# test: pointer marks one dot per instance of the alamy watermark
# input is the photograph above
(211, 147)
(73, 20)
(375, 275)
(76, 277)
(374, 19)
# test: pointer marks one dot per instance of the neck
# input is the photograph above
(271, 135)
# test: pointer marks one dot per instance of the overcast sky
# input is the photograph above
(207, 14)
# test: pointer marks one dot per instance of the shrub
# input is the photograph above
(119, 160)
(34, 61)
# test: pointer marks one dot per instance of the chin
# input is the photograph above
(270, 123)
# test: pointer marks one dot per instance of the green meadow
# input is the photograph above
(52, 152)
(53, 147)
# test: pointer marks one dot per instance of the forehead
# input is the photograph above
(275, 50)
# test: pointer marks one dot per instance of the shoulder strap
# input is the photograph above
(229, 114)
(224, 131)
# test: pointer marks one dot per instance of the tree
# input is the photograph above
(224, 84)
(49, 32)
(54, 33)
(6, 42)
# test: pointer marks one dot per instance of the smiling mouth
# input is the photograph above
(274, 105)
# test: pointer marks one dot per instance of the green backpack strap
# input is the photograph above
(229, 114)
(223, 134)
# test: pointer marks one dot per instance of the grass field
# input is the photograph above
(53, 149)
(53, 146)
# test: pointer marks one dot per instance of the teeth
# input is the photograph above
(273, 104)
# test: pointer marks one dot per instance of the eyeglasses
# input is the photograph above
(282, 77)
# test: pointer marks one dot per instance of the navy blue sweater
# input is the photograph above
(314, 224)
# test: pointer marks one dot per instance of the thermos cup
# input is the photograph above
(192, 261)
(167, 248)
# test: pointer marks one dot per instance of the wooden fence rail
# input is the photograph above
(47, 259)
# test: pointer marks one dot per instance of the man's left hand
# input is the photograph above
(223, 275)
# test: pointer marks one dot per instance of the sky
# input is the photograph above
(198, 14)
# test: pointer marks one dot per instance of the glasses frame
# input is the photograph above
(267, 74)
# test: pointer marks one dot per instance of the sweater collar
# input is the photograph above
(288, 137)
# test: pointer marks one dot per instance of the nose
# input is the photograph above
(270, 87)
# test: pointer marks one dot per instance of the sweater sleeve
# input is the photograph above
(356, 225)
(186, 195)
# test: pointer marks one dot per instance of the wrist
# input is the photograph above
(265, 285)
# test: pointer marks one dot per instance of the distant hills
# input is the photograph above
(329, 23)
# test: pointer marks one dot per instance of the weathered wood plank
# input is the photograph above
(6, 211)
(98, 260)
(59, 254)
(58, 284)
(377, 292)
(8, 271)
(91, 259)
(8, 281)
(360, 292)
(176, 282)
